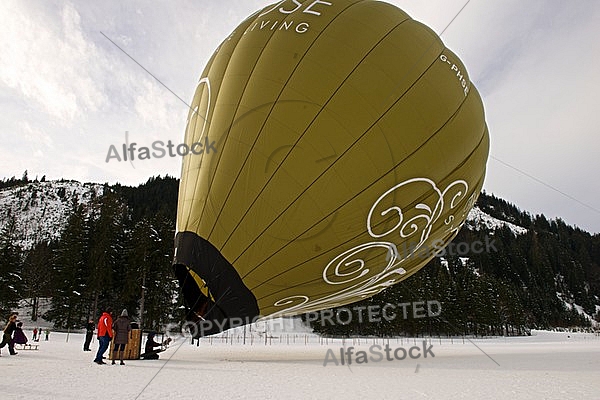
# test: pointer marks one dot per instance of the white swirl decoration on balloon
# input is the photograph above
(359, 271)
(354, 265)
(192, 120)
(290, 300)
(422, 216)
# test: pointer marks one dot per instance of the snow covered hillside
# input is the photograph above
(519, 267)
(41, 209)
(476, 219)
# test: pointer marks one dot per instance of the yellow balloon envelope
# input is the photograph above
(335, 147)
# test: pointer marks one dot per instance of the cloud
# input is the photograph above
(157, 108)
(50, 64)
(541, 112)
(67, 93)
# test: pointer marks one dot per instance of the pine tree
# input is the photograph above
(150, 278)
(11, 280)
(68, 307)
(37, 275)
(107, 258)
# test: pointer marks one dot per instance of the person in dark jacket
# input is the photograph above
(149, 352)
(8, 332)
(89, 333)
(122, 328)
(104, 334)
(19, 336)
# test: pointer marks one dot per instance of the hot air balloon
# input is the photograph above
(348, 146)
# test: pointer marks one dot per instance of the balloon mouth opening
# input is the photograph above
(214, 294)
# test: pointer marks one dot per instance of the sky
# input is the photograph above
(67, 92)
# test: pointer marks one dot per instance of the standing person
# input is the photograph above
(47, 333)
(8, 332)
(122, 327)
(89, 332)
(34, 334)
(104, 334)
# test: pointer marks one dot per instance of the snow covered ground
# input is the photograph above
(546, 365)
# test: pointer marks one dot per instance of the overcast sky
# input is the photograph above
(67, 93)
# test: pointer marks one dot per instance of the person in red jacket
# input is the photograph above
(104, 334)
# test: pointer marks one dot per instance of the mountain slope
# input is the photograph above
(534, 272)
(41, 209)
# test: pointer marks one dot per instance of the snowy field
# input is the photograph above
(546, 365)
